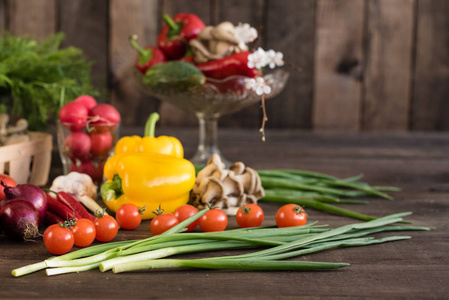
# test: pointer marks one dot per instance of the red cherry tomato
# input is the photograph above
(128, 216)
(184, 212)
(291, 215)
(249, 215)
(162, 223)
(106, 228)
(8, 181)
(58, 239)
(84, 232)
(213, 220)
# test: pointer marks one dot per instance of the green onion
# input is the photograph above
(237, 264)
(278, 244)
(311, 203)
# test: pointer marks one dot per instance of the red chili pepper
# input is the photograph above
(60, 209)
(148, 57)
(235, 64)
(52, 218)
(74, 205)
(176, 34)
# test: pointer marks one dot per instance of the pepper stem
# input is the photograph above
(145, 54)
(112, 189)
(175, 28)
(150, 125)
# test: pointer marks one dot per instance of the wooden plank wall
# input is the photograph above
(366, 65)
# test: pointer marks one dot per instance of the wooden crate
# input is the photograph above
(28, 162)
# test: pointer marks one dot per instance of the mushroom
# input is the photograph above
(216, 42)
(227, 189)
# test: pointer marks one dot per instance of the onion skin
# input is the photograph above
(31, 193)
(19, 219)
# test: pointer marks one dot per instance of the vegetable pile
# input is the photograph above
(152, 167)
(189, 206)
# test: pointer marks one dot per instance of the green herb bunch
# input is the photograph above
(37, 78)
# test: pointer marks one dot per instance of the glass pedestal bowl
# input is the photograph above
(212, 100)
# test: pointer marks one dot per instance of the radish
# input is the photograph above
(85, 167)
(77, 145)
(101, 144)
(104, 117)
(73, 116)
(88, 167)
(87, 101)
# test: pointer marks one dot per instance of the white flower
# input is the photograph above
(275, 59)
(259, 85)
(245, 33)
(257, 59)
(261, 58)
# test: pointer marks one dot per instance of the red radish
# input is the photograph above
(73, 116)
(77, 145)
(19, 219)
(98, 174)
(101, 144)
(28, 192)
(104, 117)
(87, 167)
(87, 101)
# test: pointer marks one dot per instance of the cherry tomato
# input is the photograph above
(84, 232)
(8, 181)
(184, 212)
(128, 216)
(214, 220)
(106, 228)
(249, 215)
(162, 223)
(291, 215)
(58, 239)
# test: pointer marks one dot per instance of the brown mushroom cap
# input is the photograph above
(227, 189)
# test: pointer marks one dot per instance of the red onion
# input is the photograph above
(19, 219)
(29, 192)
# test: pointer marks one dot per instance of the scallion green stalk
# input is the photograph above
(237, 264)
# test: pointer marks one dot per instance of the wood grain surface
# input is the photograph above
(338, 65)
(411, 269)
(388, 65)
(430, 105)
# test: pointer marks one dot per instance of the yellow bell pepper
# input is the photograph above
(148, 172)
(149, 143)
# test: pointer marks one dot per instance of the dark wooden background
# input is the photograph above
(367, 65)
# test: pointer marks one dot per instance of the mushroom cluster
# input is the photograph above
(215, 42)
(227, 189)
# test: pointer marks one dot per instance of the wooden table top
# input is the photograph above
(418, 268)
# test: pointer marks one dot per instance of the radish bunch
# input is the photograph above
(90, 132)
